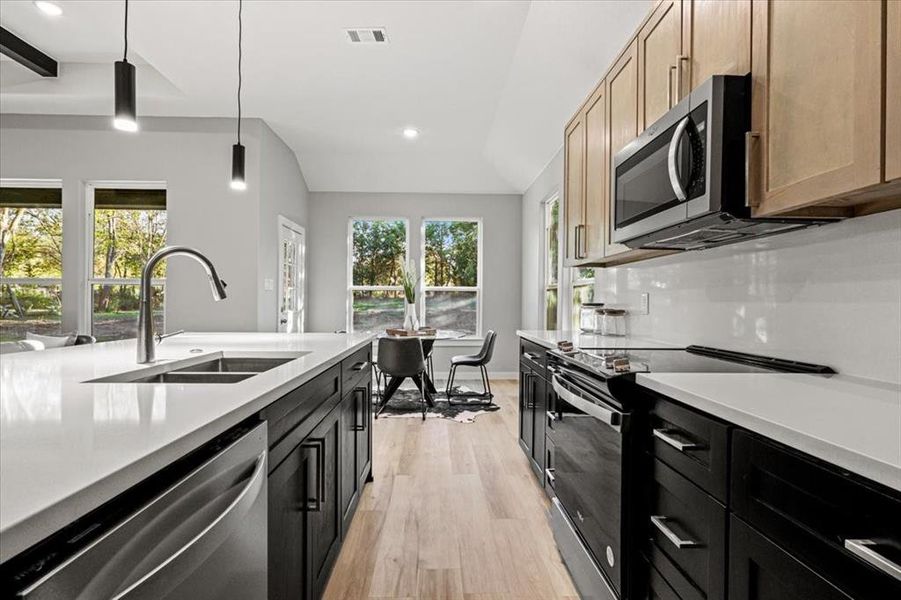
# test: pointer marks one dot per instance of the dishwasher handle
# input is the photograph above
(185, 560)
(607, 415)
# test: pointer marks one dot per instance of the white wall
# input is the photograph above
(502, 250)
(193, 157)
(548, 183)
(830, 295)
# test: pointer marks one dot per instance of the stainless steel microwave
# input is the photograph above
(681, 184)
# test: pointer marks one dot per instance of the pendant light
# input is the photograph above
(238, 182)
(126, 118)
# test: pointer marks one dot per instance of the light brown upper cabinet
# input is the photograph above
(817, 101)
(573, 187)
(893, 91)
(596, 167)
(716, 40)
(622, 118)
(659, 62)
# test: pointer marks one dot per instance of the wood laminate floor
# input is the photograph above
(454, 512)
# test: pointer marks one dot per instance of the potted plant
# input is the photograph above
(410, 281)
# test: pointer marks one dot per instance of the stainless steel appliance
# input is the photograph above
(682, 183)
(591, 453)
(202, 537)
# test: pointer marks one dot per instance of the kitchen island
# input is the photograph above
(68, 445)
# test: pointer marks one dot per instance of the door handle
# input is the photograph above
(659, 522)
(674, 180)
(583, 243)
(359, 398)
(669, 86)
(549, 473)
(577, 245)
(680, 59)
(315, 504)
(750, 136)
(283, 321)
(865, 549)
(664, 435)
(360, 365)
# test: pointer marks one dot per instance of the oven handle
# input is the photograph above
(608, 416)
(674, 180)
(864, 549)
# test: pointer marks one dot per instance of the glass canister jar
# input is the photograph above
(612, 321)
(589, 317)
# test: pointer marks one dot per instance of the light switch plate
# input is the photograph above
(268, 284)
(644, 307)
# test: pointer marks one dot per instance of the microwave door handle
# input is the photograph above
(674, 180)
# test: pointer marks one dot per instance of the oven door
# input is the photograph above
(586, 434)
(656, 175)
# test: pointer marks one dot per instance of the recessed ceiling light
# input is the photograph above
(411, 133)
(48, 8)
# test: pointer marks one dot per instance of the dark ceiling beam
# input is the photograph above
(26, 55)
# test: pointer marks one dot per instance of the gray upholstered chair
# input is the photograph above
(480, 361)
(400, 357)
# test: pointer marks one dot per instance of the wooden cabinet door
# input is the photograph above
(817, 96)
(717, 40)
(659, 51)
(324, 515)
(364, 432)
(288, 568)
(893, 91)
(573, 187)
(596, 167)
(349, 488)
(622, 121)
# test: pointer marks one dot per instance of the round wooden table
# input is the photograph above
(428, 343)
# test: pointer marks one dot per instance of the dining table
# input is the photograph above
(428, 343)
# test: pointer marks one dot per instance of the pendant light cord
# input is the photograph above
(125, 52)
(240, 32)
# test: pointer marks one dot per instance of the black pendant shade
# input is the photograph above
(126, 117)
(238, 182)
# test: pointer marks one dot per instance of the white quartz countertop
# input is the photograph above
(852, 423)
(67, 446)
(590, 341)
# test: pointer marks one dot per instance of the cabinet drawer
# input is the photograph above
(686, 535)
(533, 355)
(652, 585)
(822, 515)
(691, 443)
(355, 367)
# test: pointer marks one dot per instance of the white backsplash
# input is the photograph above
(829, 295)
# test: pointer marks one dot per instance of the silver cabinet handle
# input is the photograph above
(669, 86)
(576, 244)
(749, 137)
(658, 522)
(549, 473)
(360, 365)
(198, 549)
(604, 415)
(674, 181)
(550, 415)
(531, 356)
(583, 243)
(663, 436)
(864, 549)
(680, 58)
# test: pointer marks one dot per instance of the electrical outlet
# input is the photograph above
(268, 284)
(644, 308)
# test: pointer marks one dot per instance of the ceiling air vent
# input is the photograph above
(367, 35)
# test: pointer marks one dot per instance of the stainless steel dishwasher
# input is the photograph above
(203, 536)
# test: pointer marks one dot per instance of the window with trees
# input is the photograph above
(452, 278)
(31, 253)
(551, 261)
(128, 227)
(582, 291)
(377, 256)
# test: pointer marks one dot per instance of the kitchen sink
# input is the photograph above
(218, 367)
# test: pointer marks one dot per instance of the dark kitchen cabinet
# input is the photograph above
(324, 525)
(363, 429)
(533, 404)
(526, 410)
(356, 447)
(288, 549)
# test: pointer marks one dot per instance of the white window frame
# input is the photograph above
(38, 281)
(546, 267)
(575, 282)
(87, 313)
(423, 288)
(351, 288)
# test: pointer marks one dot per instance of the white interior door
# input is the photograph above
(291, 267)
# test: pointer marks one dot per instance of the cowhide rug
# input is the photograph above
(405, 403)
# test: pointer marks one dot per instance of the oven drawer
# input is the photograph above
(533, 355)
(691, 443)
(686, 533)
(845, 528)
(355, 367)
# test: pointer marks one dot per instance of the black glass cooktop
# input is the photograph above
(693, 359)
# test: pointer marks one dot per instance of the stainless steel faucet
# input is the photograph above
(146, 347)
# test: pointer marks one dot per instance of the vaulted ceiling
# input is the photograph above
(489, 84)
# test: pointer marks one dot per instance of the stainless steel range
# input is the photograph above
(592, 450)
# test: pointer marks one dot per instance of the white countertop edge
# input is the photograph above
(21, 535)
(866, 466)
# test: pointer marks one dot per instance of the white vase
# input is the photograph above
(411, 322)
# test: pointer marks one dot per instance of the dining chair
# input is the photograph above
(479, 360)
(401, 357)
